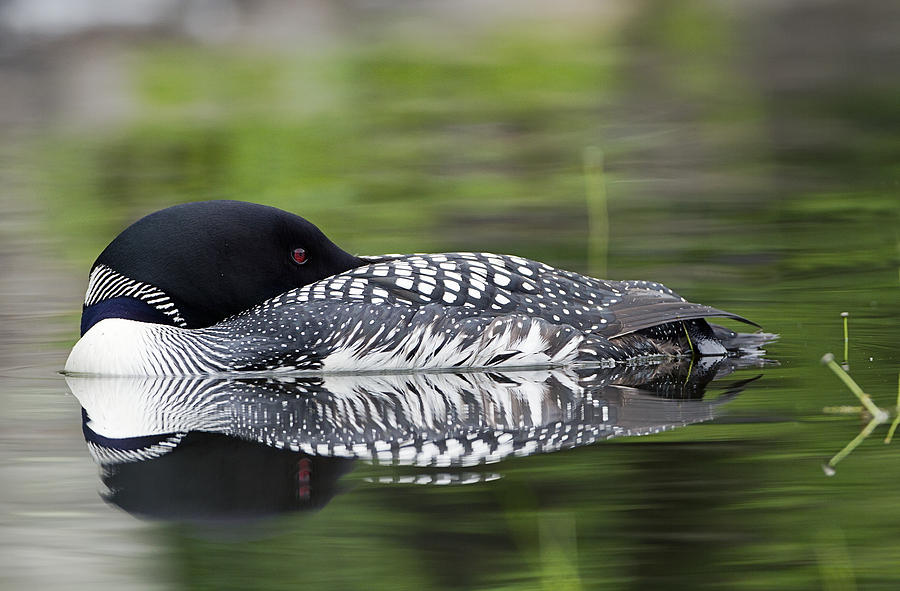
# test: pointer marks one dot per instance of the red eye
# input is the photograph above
(299, 256)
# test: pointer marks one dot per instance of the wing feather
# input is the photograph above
(493, 285)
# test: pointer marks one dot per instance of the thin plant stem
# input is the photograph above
(845, 316)
(893, 428)
(598, 212)
(867, 430)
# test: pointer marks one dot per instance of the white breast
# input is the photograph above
(119, 347)
(113, 346)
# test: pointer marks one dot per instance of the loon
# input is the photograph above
(228, 286)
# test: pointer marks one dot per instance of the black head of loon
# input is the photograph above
(194, 264)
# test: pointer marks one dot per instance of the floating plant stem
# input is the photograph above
(893, 428)
(867, 430)
(877, 413)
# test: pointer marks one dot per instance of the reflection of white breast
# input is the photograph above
(121, 408)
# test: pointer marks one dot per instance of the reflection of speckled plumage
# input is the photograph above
(420, 419)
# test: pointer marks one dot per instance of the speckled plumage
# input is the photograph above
(437, 311)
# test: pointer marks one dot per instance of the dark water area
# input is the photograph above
(745, 154)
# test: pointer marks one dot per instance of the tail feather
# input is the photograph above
(742, 342)
(640, 311)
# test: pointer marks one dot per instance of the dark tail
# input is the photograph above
(744, 343)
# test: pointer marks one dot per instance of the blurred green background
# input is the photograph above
(747, 154)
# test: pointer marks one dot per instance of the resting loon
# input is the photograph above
(221, 286)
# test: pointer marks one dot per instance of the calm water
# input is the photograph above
(746, 159)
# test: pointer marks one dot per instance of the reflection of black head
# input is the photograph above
(212, 477)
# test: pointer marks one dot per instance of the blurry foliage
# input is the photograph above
(375, 145)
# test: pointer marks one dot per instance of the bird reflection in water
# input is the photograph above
(239, 448)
